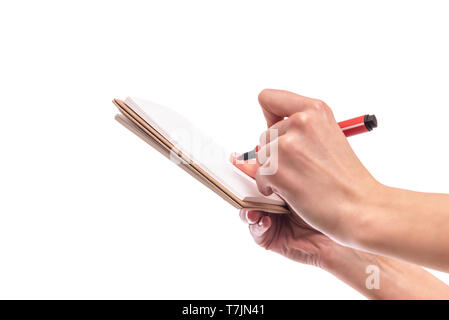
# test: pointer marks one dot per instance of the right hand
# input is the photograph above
(318, 174)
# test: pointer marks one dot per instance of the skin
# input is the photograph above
(343, 220)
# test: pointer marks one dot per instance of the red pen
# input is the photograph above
(358, 125)
(349, 127)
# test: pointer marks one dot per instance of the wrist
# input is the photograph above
(336, 257)
(362, 215)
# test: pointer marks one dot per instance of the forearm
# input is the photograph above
(396, 280)
(411, 226)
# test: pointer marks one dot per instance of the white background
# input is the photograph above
(87, 210)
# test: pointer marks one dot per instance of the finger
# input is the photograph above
(250, 216)
(248, 167)
(269, 151)
(278, 104)
(253, 217)
(263, 154)
(259, 229)
(276, 130)
(262, 181)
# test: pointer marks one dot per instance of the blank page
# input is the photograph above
(201, 149)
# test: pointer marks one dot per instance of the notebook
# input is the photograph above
(178, 139)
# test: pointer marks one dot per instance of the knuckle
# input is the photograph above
(283, 143)
(321, 107)
(287, 143)
(299, 119)
(263, 95)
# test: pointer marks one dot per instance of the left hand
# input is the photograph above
(289, 236)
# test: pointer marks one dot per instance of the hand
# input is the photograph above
(332, 196)
(318, 174)
(289, 236)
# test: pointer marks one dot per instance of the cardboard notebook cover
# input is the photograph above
(136, 124)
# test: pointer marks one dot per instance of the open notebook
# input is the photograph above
(175, 137)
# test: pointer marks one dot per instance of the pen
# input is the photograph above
(349, 127)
